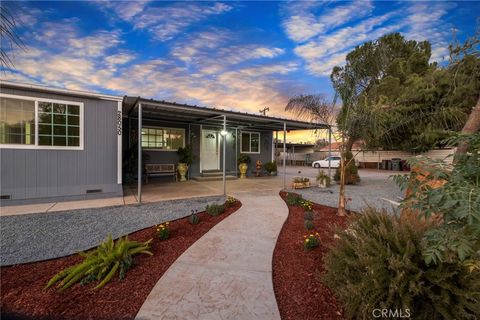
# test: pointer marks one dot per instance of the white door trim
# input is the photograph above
(201, 148)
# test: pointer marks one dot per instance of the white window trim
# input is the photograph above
(250, 145)
(36, 146)
(163, 150)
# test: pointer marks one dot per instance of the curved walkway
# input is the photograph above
(226, 274)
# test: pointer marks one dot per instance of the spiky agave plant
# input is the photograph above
(102, 263)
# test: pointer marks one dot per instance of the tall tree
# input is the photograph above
(387, 61)
(9, 38)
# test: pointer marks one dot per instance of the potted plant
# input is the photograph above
(271, 168)
(301, 182)
(243, 161)
(186, 159)
(323, 179)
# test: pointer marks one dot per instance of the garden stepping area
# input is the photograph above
(226, 274)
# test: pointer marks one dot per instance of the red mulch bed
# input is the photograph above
(22, 286)
(296, 272)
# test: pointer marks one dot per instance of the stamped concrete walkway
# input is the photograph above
(226, 274)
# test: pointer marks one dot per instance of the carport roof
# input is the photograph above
(187, 114)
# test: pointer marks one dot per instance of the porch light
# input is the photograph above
(223, 132)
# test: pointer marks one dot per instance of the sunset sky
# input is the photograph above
(234, 55)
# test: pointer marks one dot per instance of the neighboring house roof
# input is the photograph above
(40, 88)
(189, 114)
(296, 145)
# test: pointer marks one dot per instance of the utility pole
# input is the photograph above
(264, 111)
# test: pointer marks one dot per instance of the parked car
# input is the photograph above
(334, 162)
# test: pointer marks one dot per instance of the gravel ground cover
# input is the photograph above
(42, 236)
(372, 190)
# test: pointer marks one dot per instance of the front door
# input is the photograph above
(210, 153)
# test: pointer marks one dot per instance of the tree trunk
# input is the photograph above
(342, 211)
(471, 126)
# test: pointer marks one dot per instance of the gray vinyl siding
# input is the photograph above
(36, 175)
(265, 155)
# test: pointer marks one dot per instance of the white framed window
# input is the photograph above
(250, 142)
(39, 123)
(165, 139)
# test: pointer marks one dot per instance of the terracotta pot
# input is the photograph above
(182, 170)
(243, 167)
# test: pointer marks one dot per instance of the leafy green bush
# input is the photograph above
(451, 192)
(308, 224)
(308, 215)
(215, 209)
(293, 199)
(377, 263)
(351, 171)
(194, 218)
(270, 166)
(102, 263)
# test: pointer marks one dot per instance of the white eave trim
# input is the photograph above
(60, 91)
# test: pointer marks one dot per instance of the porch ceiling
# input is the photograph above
(187, 114)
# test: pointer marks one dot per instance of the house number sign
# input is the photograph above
(119, 123)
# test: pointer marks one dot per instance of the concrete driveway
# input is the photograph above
(374, 186)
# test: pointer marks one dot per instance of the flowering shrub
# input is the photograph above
(162, 231)
(307, 205)
(311, 241)
(230, 202)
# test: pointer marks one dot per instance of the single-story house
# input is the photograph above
(58, 144)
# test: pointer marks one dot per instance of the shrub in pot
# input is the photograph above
(271, 168)
(323, 179)
(243, 161)
(186, 159)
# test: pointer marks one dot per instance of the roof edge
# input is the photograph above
(80, 93)
(309, 125)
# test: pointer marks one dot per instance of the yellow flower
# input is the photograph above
(167, 223)
(308, 240)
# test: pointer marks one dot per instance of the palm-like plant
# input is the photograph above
(102, 263)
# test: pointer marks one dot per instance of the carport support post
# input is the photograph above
(224, 147)
(329, 150)
(236, 152)
(284, 153)
(139, 162)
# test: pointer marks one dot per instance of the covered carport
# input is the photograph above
(137, 109)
